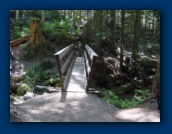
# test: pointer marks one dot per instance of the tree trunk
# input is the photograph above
(137, 26)
(112, 44)
(16, 42)
(15, 86)
(61, 15)
(122, 38)
(17, 14)
(36, 33)
(98, 28)
(80, 16)
(11, 54)
(156, 82)
(64, 14)
(153, 22)
(146, 18)
(69, 14)
(158, 26)
(42, 15)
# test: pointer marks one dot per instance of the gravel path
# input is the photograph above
(79, 107)
(75, 106)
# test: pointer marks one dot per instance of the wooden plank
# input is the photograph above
(68, 73)
(92, 56)
(67, 62)
(59, 70)
(90, 52)
(64, 51)
(87, 64)
(91, 73)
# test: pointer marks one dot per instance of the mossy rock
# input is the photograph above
(23, 89)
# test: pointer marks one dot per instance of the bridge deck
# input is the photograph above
(78, 77)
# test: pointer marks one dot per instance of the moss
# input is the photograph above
(23, 89)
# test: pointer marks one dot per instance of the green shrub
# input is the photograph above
(114, 99)
(23, 89)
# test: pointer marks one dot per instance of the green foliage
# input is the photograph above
(114, 99)
(144, 93)
(37, 75)
(62, 30)
(19, 28)
(23, 89)
(42, 50)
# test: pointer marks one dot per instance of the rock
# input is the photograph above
(28, 95)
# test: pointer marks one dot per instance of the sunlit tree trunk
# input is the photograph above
(17, 14)
(11, 54)
(36, 33)
(61, 15)
(42, 15)
(69, 14)
(122, 38)
(64, 14)
(146, 18)
(153, 22)
(80, 16)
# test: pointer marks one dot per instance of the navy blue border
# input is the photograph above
(166, 88)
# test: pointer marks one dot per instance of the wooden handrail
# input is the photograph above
(90, 58)
(65, 59)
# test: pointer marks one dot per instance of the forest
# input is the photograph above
(126, 72)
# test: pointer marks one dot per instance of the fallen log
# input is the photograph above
(18, 41)
(17, 77)
(49, 89)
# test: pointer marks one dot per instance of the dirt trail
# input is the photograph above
(74, 106)
(79, 107)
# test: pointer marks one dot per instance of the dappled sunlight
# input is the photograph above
(97, 53)
(137, 114)
(77, 80)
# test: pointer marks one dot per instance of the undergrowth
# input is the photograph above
(114, 99)
(37, 75)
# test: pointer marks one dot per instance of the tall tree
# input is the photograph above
(122, 38)
(98, 29)
(69, 14)
(112, 44)
(61, 15)
(137, 26)
(42, 15)
(17, 14)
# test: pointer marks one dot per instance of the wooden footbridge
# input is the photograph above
(75, 71)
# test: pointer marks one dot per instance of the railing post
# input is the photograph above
(91, 72)
(60, 73)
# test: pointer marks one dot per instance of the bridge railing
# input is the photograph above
(65, 59)
(90, 58)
